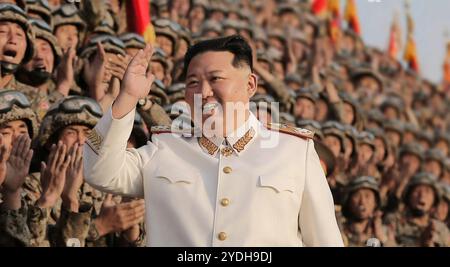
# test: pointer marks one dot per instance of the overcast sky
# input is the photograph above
(432, 18)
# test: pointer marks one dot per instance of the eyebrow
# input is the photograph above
(209, 72)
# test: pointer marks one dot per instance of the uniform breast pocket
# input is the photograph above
(175, 177)
(278, 184)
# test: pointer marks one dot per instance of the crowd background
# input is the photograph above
(382, 131)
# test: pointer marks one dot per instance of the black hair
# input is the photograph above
(235, 44)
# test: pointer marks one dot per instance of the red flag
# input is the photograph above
(138, 12)
(411, 49)
(319, 7)
(394, 38)
(351, 15)
(334, 10)
(447, 66)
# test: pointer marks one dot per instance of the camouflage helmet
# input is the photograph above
(43, 31)
(445, 192)
(9, 12)
(379, 133)
(211, 25)
(158, 93)
(366, 182)
(334, 128)
(110, 43)
(422, 178)
(436, 155)
(264, 101)
(394, 125)
(326, 156)
(15, 106)
(287, 118)
(176, 92)
(412, 148)
(367, 138)
(41, 8)
(160, 56)
(132, 40)
(68, 14)
(308, 93)
(68, 111)
(361, 72)
(376, 116)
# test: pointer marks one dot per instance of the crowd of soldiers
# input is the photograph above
(381, 131)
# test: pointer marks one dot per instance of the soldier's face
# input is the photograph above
(157, 70)
(333, 143)
(13, 42)
(422, 198)
(349, 114)
(394, 137)
(11, 130)
(74, 134)
(363, 203)
(411, 161)
(442, 211)
(434, 167)
(365, 153)
(67, 36)
(212, 76)
(304, 108)
(165, 43)
(43, 58)
(380, 149)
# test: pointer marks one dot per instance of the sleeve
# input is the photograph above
(317, 220)
(14, 231)
(108, 165)
(37, 223)
(73, 227)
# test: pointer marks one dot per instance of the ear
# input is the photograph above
(252, 84)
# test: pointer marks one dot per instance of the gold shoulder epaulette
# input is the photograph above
(284, 128)
(161, 129)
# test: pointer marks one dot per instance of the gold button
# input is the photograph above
(225, 202)
(227, 170)
(222, 236)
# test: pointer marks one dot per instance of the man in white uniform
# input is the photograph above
(239, 183)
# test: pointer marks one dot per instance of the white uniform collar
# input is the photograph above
(235, 142)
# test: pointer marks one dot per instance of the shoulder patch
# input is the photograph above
(284, 128)
(161, 129)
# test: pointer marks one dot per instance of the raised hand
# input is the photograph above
(18, 164)
(118, 65)
(4, 155)
(94, 73)
(74, 178)
(53, 175)
(136, 83)
(137, 79)
(65, 72)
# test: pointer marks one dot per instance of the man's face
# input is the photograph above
(304, 108)
(442, 146)
(368, 87)
(363, 203)
(349, 114)
(182, 48)
(412, 161)
(348, 147)
(165, 43)
(13, 42)
(157, 70)
(442, 211)
(212, 76)
(422, 198)
(390, 113)
(365, 153)
(74, 134)
(434, 167)
(380, 149)
(197, 14)
(11, 130)
(333, 143)
(394, 137)
(67, 36)
(321, 112)
(43, 58)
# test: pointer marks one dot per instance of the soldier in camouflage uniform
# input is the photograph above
(17, 120)
(361, 219)
(83, 214)
(414, 226)
(68, 26)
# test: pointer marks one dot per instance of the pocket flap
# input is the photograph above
(278, 183)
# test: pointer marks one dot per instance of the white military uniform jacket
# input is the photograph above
(207, 192)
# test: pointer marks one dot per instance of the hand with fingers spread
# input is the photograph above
(17, 167)
(65, 72)
(94, 73)
(74, 179)
(136, 83)
(4, 155)
(131, 234)
(53, 175)
(119, 217)
(18, 164)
